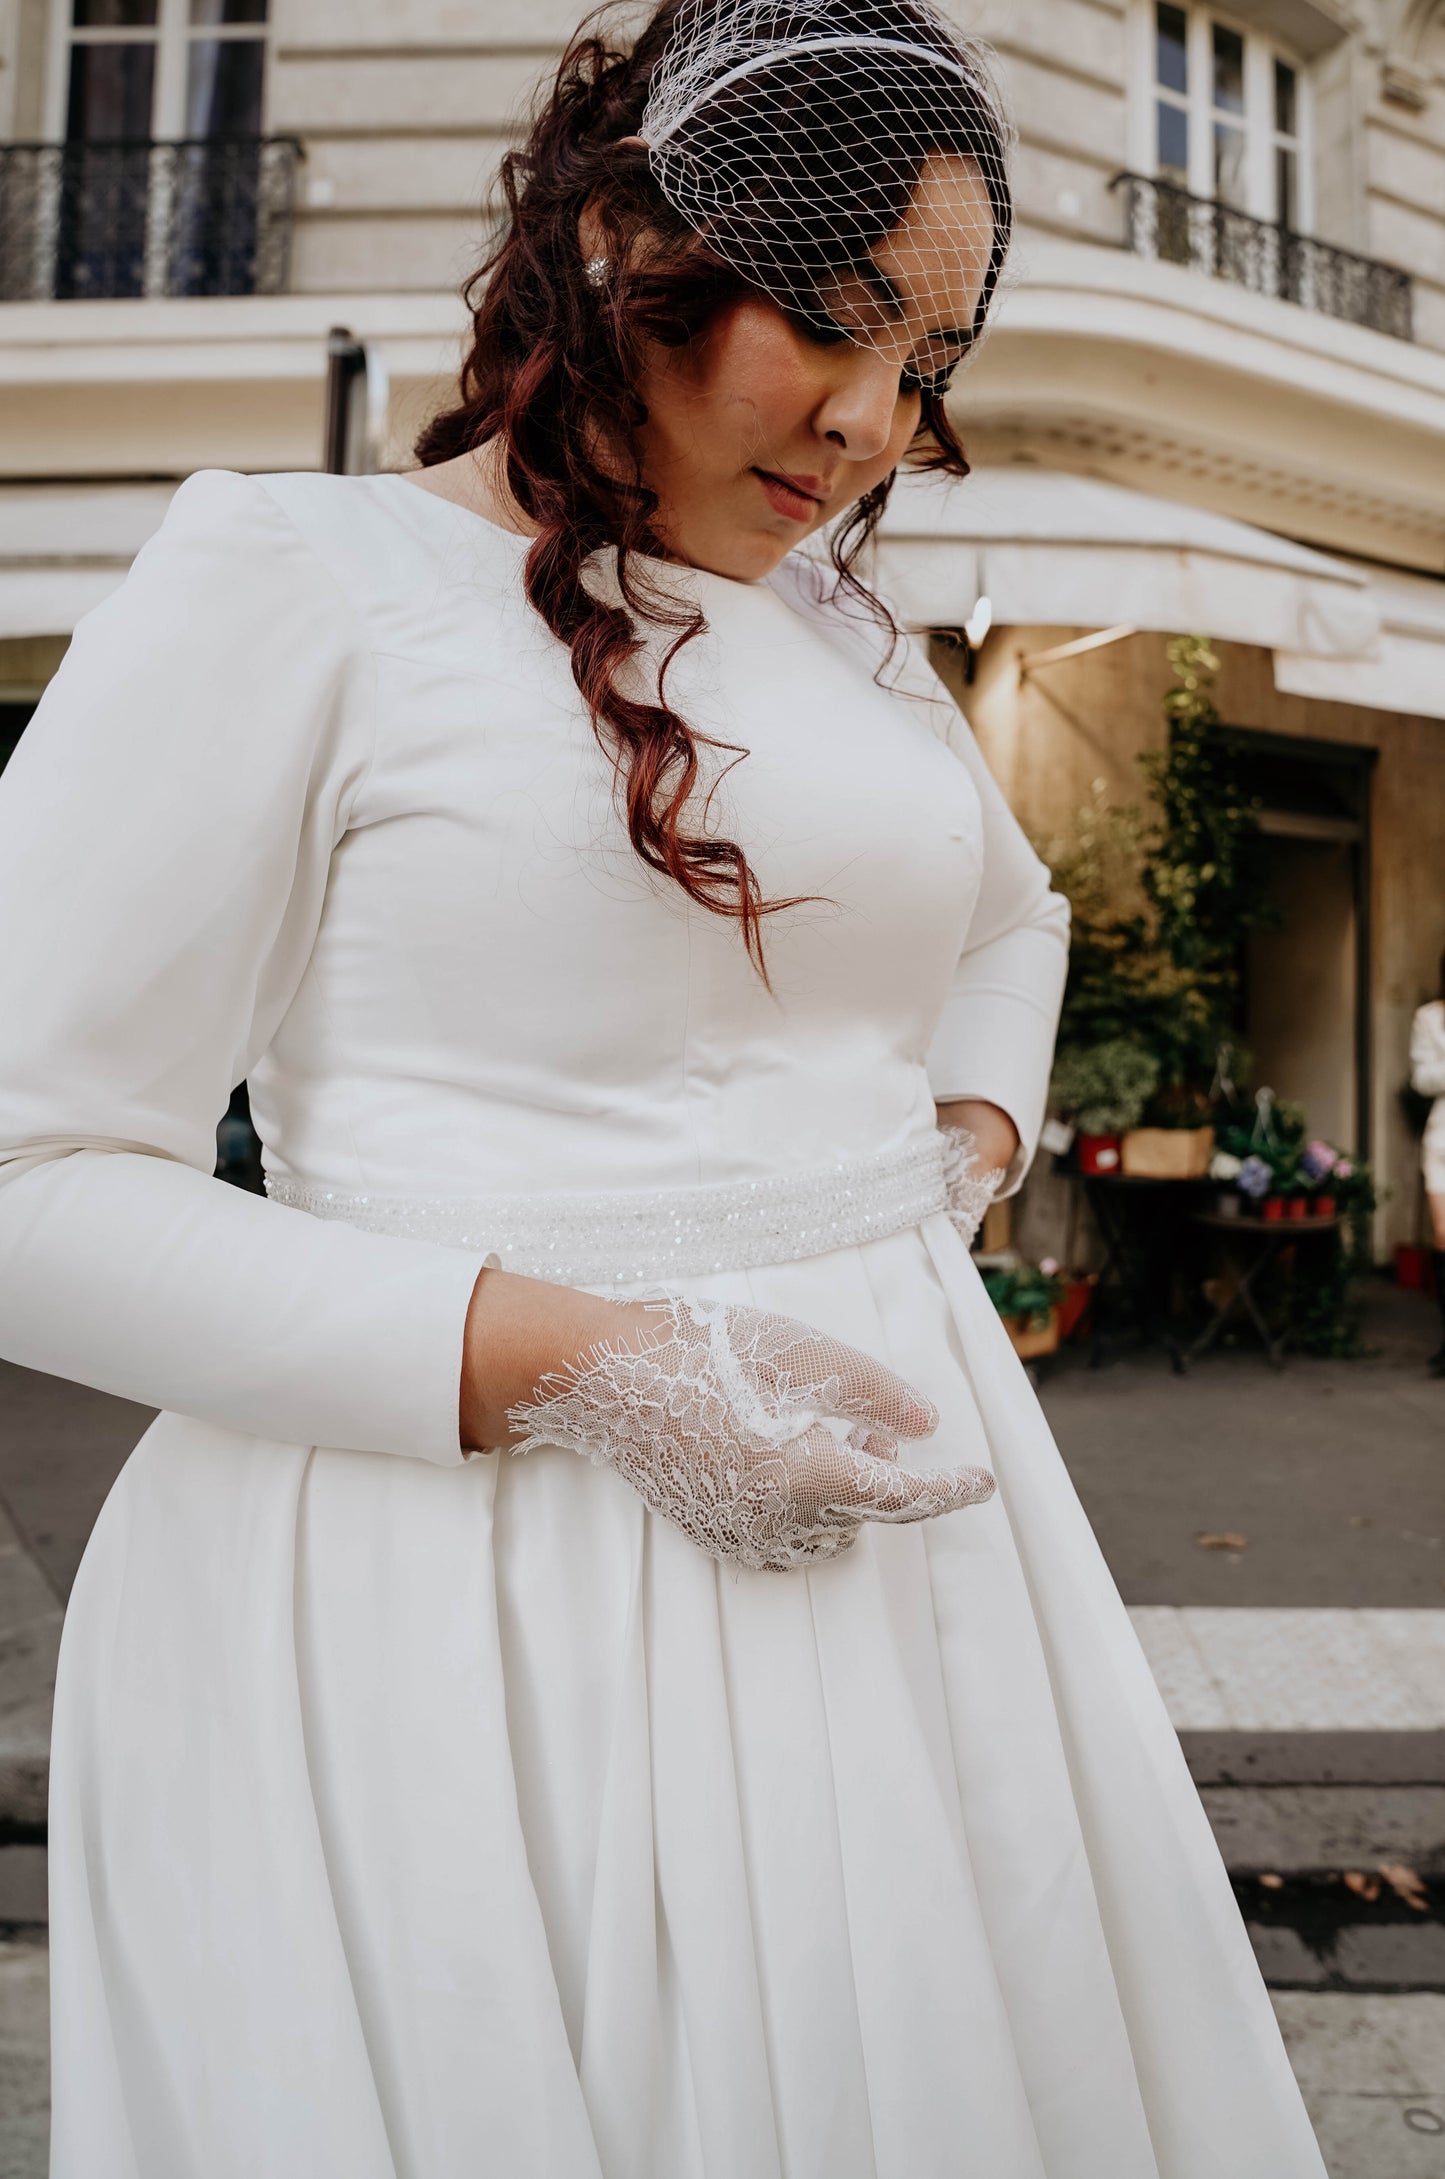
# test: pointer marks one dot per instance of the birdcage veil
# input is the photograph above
(812, 144)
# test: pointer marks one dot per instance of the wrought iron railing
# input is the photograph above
(208, 216)
(1167, 222)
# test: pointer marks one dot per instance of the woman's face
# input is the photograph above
(759, 432)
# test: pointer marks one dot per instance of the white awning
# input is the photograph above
(1061, 551)
(64, 547)
(1406, 669)
(1050, 549)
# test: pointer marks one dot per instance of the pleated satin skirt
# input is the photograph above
(422, 1823)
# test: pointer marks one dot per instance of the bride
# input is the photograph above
(598, 1671)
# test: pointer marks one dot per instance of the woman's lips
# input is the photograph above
(787, 496)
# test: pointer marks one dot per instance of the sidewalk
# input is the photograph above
(1302, 1659)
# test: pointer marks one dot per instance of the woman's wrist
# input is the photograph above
(994, 1132)
(518, 1329)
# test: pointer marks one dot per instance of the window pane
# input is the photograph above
(206, 12)
(113, 14)
(223, 87)
(1173, 159)
(1228, 70)
(110, 93)
(1229, 165)
(1286, 188)
(1173, 49)
(1284, 100)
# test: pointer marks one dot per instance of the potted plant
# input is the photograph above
(1103, 1089)
(1027, 1297)
(1178, 1141)
(1254, 1180)
(1329, 1170)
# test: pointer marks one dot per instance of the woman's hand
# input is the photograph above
(765, 1441)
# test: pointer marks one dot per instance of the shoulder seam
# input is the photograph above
(366, 647)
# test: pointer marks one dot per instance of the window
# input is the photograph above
(127, 215)
(131, 70)
(1223, 113)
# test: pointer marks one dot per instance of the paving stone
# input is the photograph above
(1285, 1960)
(1318, 1758)
(1372, 2070)
(1328, 1827)
(23, 1885)
(1392, 1956)
(1261, 1669)
(24, 2061)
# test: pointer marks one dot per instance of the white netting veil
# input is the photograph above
(846, 157)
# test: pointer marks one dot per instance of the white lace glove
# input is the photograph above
(970, 1188)
(766, 1442)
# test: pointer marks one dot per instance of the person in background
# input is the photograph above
(1427, 1076)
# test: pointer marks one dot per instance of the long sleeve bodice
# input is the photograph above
(313, 801)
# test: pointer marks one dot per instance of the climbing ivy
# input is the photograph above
(1164, 895)
(1202, 871)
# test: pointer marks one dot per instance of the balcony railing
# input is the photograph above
(210, 216)
(1165, 222)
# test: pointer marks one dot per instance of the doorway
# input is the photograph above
(1307, 982)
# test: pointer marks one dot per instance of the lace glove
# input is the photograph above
(970, 1189)
(766, 1442)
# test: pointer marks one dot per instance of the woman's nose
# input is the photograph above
(858, 412)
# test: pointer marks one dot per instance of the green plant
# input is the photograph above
(1103, 1088)
(1121, 984)
(1163, 897)
(1203, 873)
(1024, 1290)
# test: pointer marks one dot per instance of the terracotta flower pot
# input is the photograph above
(1273, 1207)
(1075, 1306)
(1298, 1207)
(1098, 1153)
(1324, 1206)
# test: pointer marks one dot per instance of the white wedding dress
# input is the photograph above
(421, 1817)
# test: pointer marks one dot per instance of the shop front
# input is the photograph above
(1332, 671)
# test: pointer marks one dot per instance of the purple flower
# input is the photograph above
(1320, 1158)
(1253, 1177)
(1344, 1169)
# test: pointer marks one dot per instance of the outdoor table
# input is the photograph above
(1249, 1246)
(1137, 1221)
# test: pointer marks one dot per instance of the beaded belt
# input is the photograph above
(622, 1238)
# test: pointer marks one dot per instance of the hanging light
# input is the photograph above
(975, 628)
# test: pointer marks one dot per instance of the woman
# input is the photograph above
(603, 910)
(1427, 1077)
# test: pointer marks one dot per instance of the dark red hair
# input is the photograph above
(553, 375)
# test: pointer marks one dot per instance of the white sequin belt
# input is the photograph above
(622, 1238)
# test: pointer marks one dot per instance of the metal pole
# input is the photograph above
(345, 365)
